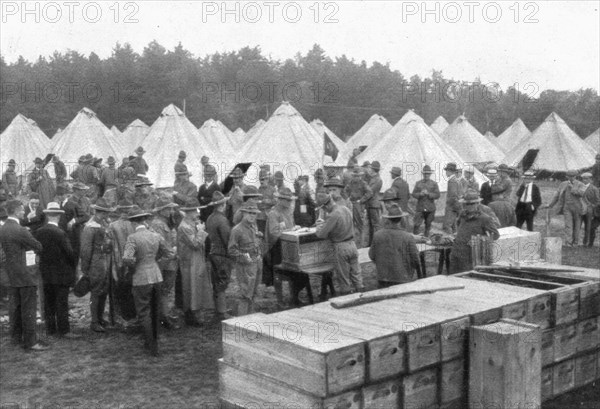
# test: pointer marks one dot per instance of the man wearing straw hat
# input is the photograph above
(529, 200)
(142, 249)
(139, 163)
(96, 247)
(426, 191)
(57, 266)
(196, 283)
(338, 228)
(219, 231)
(184, 189)
(168, 266)
(453, 196)
(472, 221)
(245, 249)
(394, 251)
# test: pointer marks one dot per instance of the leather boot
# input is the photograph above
(95, 325)
(100, 311)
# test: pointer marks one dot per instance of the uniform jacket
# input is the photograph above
(79, 209)
(502, 186)
(57, 259)
(375, 184)
(10, 182)
(184, 191)
(358, 190)
(60, 171)
(591, 197)
(95, 248)
(142, 249)
(145, 202)
(570, 197)
(219, 231)
(395, 254)
(244, 239)
(118, 232)
(453, 195)
(402, 192)
(15, 241)
(278, 221)
(139, 165)
(180, 166)
(426, 202)
(338, 226)
(161, 226)
(190, 243)
(504, 211)
(109, 178)
(89, 175)
(205, 193)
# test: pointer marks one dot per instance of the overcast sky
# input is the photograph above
(554, 44)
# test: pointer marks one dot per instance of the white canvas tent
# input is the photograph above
(87, 134)
(410, 115)
(22, 141)
(439, 125)
(134, 135)
(513, 135)
(594, 140)
(116, 131)
(288, 143)
(410, 145)
(472, 145)
(171, 133)
(553, 147)
(252, 131)
(369, 134)
(239, 135)
(219, 139)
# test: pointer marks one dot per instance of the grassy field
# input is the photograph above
(111, 370)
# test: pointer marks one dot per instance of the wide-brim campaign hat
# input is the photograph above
(137, 212)
(87, 159)
(250, 207)
(139, 150)
(38, 160)
(218, 198)
(182, 154)
(427, 169)
(125, 205)
(80, 186)
(111, 160)
(12, 162)
(470, 197)
(389, 195)
(278, 175)
(249, 192)
(323, 199)
(53, 208)
(333, 182)
(210, 170)
(191, 205)
(395, 212)
(451, 167)
(376, 166)
(285, 193)
(164, 203)
(142, 180)
(102, 206)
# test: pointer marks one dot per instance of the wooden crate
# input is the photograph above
(547, 379)
(505, 364)
(382, 395)
(565, 305)
(565, 342)
(453, 385)
(589, 300)
(548, 347)
(420, 389)
(516, 245)
(304, 249)
(292, 354)
(563, 377)
(246, 388)
(585, 369)
(588, 334)
(454, 339)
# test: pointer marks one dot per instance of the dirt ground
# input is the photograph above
(112, 371)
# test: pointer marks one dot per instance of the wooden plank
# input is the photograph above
(565, 342)
(547, 347)
(585, 369)
(453, 384)
(563, 377)
(420, 389)
(588, 334)
(382, 395)
(505, 364)
(547, 377)
(291, 353)
(246, 388)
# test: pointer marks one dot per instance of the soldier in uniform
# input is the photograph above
(109, 181)
(144, 197)
(60, 170)
(77, 174)
(89, 177)
(359, 193)
(401, 187)
(470, 223)
(168, 266)
(335, 188)
(338, 229)
(180, 166)
(374, 205)
(142, 249)
(10, 180)
(319, 179)
(207, 190)
(486, 187)
(504, 184)
(267, 201)
(426, 191)
(504, 210)
(236, 194)
(126, 188)
(94, 253)
(184, 189)
(78, 211)
(453, 196)
(279, 180)
(40, 183)
(219, 231)
(139, 163)
(469, 179)
(245, 250)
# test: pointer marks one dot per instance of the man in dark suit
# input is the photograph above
(486, 188)
(34, 217)
(528, 201)
(16, 241)
(57, 265)
(206, 191)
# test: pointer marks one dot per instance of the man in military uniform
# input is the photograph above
(453, 196)
(267, 201)
(77, 173)
(426, 191)
(236, 194)
(401, 187)
(95, 255)
(10, 180)
(503, 185)
(245, 249)
(335, 188)
(144, 197)
(139, 163)
(486, 187)
(320, 179)
(60, 170)
(279, 180)
(338, 228)
(180, 166)
(207, 190)
(359, 193)
(109, 181)
(374, 205)
(469, 179)
(470, 223)
(184, 189)
(89, 176)
(78, 211)
(219, 232)
(504, 210)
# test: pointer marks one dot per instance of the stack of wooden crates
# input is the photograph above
(408, 352)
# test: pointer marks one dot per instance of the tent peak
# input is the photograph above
(172, 110)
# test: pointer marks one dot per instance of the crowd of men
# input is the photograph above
(156, 253)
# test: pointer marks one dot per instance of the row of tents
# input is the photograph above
(289, 143)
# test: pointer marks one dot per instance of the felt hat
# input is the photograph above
(125, 205)
(334, 182)
(191, 204)
(366, 164)
(111, 160)
(80, 186)
(278, 175)
(140, 150)
(396, 171)
(38, 160)
(142, 180)
(164, 203)
(250, 207)
(250, 192)
(503, 168)
(389, 195)
(182, 154)
(451, 166)
(137, 212)
(285, 193)
(470, 197)
(427, 169)
(102, 206)
(210, 170)
(88, 158)
(395, 212)
(53, 208)
(12, 162)
(376, 166)
(323, 199)
(81, 158)
(218, 198)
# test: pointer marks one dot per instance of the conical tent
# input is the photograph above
(411, 145)
(322, 129)
(171, 133)
(86, 134)
(239, 135)
(410, 115)
(439, 125)
(116, 131)
(369, 134)
(513, 135)
(134, 135)
(553, 147)
(23, 142)
(594, 140)
(287, 142)
(58, 131)
(212, 132)
(492, 138)
(251, 132)
(472, 145)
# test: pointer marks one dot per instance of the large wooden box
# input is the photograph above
(294, 354)
(516, 245)
(245, 388)
(304, 249)
(505, 364)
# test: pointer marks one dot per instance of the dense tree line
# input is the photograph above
(242, 86)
